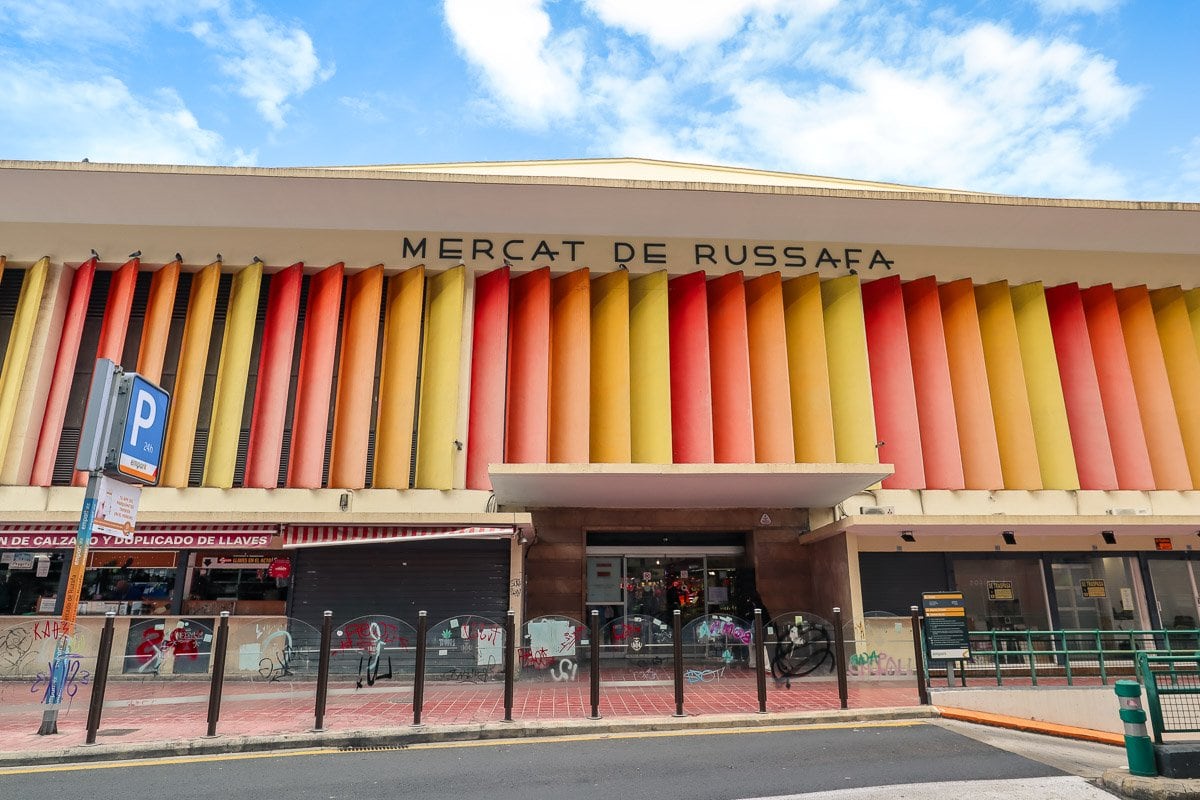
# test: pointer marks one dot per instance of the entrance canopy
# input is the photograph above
(681, 485)
(328, 535)
(1025, 527)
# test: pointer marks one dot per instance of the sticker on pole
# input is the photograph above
(116, 509)
(139, 428)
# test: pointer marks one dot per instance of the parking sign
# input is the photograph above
(139, 427)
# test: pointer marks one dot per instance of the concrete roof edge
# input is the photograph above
(932, 195)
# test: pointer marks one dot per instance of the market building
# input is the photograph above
(622, 385)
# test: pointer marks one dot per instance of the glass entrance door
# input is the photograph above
(1095, 593)
(1175, 590)
(657, 585)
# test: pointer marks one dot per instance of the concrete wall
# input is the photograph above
(1093, 707)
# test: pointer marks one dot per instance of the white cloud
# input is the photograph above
(269, 61)
(48, 116)
(1064, 7)
(849, 90)
(1184, 182)
(679, 24)
(362, 108)
(536, 75)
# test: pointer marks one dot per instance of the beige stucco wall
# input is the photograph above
(1079, 706)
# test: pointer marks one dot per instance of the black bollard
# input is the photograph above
(510, 662)
(839, 643)
(100, 679)
(919, 656)
(218, 674)
(595, 668)
(419, 669)
(760, 668)
(323, 670)
(677, 636)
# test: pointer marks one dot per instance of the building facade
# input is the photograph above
(624, 385)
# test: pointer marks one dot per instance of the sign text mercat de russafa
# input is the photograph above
(700, 254)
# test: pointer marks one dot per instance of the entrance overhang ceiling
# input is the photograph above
(681, 485)
(993, 525)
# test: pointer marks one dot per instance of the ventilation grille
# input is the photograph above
(199, 450)
(183, 292)
(239, 465)
(284, 454)
(10, 290)
(64, 460)
(370, 457)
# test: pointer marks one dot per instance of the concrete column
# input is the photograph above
(516, 580)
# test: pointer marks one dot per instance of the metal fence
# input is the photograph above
(1088, 656)
(1173, 692)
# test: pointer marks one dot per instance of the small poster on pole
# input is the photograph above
(116, 510)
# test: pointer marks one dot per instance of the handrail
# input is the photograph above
(1073, 650)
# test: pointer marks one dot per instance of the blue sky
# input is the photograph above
(1065, 98)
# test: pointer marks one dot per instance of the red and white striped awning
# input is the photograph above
(147, 536)
(327, 535)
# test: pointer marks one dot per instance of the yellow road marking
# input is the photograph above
(333, 751)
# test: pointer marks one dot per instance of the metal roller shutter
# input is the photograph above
(446, 579)
(893, 582)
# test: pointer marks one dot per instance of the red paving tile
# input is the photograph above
(166, 710)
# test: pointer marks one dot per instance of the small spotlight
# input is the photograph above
(907, 536)
(1009, 537)
(1109, 537)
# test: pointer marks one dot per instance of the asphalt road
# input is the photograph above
(698, 766)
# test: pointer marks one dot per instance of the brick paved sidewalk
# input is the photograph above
(171, 710)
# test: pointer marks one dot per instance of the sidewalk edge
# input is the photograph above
(402, 736)
(1032, 726)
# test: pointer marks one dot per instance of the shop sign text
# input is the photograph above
(621, 252)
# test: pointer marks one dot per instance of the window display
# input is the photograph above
(240, 583)
(29, 581)
(128, 582)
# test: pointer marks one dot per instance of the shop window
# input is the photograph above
(29, 582)
(1002, 594)
(128, 582)
(241, 583)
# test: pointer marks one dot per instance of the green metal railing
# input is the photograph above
(1172, 691)
(1070, 654)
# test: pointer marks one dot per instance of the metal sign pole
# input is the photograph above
(70, 609)
(123, 431)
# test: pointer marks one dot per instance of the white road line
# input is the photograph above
(1067, 787)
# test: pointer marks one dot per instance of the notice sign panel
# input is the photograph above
(1093, 587)
(140, 431)
(116, 510)
(946, 626)
(1000, 590)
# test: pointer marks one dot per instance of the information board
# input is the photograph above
(946, 626)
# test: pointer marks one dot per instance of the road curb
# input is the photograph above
(1032, 726)
(408, 735)
(1139, 788)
